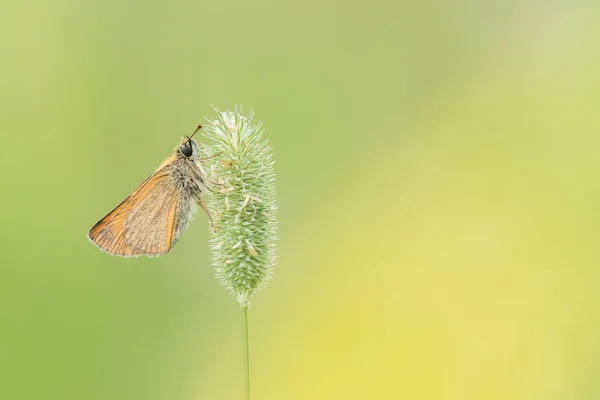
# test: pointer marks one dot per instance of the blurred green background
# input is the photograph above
(437, 181)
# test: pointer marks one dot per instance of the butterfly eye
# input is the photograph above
(186, 150)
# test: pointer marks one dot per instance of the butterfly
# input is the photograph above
(152, 218)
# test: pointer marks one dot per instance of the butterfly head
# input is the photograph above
(188, 146)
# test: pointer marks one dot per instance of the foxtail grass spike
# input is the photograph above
(242, 202)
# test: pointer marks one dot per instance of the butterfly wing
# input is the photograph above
(148, 222)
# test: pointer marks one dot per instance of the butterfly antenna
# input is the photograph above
(196, 131)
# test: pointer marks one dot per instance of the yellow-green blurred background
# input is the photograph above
(437, 176)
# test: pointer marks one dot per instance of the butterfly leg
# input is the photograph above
(210, 157)
(203, 205)
(215, 183)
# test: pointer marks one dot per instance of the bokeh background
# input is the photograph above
(437, 180)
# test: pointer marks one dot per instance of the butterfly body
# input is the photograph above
(152, 218)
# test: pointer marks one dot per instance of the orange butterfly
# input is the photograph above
(151, 220)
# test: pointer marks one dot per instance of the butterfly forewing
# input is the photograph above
(146, 222)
